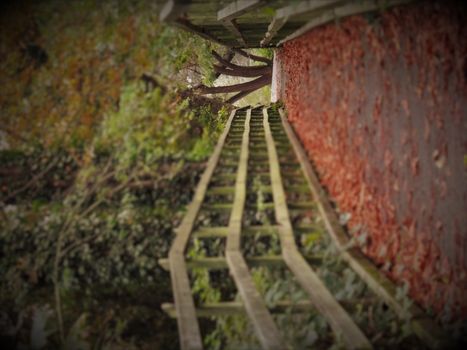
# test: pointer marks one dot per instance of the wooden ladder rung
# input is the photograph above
(228, 308)
(219, 262)
(219, 190)
(301, 205)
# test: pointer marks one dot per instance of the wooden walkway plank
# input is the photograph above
(232, 26)
(348, 8)
(237, 308)
(424, 327)
(192, 28)
(219, 262)
(237, 8)
(185, 228)
(190, 336)
(171, 10)
(283, 15)
(339, 320)
(263, 324)
(188, 327)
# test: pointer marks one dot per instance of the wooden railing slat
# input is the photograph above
(424, 327)
(263, 324)
(237, 8)
(190, 336)
(339, 320)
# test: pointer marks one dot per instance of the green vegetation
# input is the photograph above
(97, 165)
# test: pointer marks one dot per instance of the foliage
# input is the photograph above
(89, 52)
(97, 170)
(121, 206)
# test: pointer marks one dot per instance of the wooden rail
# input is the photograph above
(263, 323)
(243, 28)
(339, 320)
(190, 337)
(423, 326)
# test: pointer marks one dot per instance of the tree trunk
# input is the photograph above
(250, 85)
(239, 96)
(253, 57)
(246, 72)
(232, 65)
(227, 57)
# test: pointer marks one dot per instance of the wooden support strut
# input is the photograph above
(263, 324)
(346, 9)
(237, 308)
(189, 332)
(232, 26)
(287, 13)
(339, 320)
(237, 8)
(424, 327)
(219, 262)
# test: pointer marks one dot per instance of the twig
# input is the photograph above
(86, 212)
(239, 96)
(55, 277)
(253, 57)
(13, 133)
(32, 181)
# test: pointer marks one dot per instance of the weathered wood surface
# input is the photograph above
(339, 320)
(219, 263)
(287, 13)
(190, 336)
(236, 9)
(269, 140)
(186, 227)
(423, 326)
(231, 25)
(237, 308)
(241, 25)
(263, 324)
(342, 10)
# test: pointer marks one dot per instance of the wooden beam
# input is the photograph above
(188, 327)
(262, 230)
(186, 226)
(229, 308)
(263, 324)
(172, 10)
(192, 28)
(348, 9)
(283, 15)
(333, 312)
(219, 262)
(189, 332)
(232, 26)
(237, 8)
(425, 328)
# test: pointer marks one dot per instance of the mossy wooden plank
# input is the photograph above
(237, 8)
(425, 328)
(338, 319)
(263, 324)
(190, 337)
(342, 10)
(236, 308)
(188, 327)
(217, 263)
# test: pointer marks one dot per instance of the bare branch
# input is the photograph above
(239, 96)
(232, 65)
(246, 72)
(250, 85)
(253, 57)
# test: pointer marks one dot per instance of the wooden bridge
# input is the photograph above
(258, 143)
(260, 23)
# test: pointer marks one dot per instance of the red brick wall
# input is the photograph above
(380, 103)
